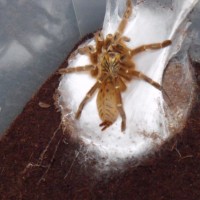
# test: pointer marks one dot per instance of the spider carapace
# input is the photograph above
(113, 66)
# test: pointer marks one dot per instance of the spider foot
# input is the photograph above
(128, 12)
(105, 125)
(78, 114)
(167, 98)
(166, 43)
(123, 126)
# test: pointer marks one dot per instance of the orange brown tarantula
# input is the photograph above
(112, 66)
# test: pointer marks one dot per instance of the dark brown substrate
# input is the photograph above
(172, 174)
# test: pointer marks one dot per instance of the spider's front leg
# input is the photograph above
(125, 18)
(86, 50)
(99, 41)
(92, 52)
(153, 46)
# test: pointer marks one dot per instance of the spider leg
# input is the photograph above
(125, 71)
(153, 83)
(147, 79)
(88, 96)
(125, 18)
(120, 105)
(121, 48)
(90, 51)
(127, 64)
(108, 41)
(86, 50)
(76, 69)
(124, 75)
(99, 41)
(119, 38)
(122, 85)
(153, 46)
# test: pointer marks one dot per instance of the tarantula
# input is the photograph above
(112, 66)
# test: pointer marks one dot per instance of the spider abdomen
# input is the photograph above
(107, 104)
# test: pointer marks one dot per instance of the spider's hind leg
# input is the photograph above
(120, 105)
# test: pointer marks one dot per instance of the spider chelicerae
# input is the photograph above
(112, 65)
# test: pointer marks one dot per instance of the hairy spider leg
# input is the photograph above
(152, 82)
(86, 50)
(153, 46)
(108, 41)
(125, 75)
(90, 51)
(127, 64)
(121, 48)
(125, 17)
(99, 42)
(120, 104)
(122, 84)
(126, 67)
(76, 69)
(93, 56)
(89, 95)
(147, 79)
